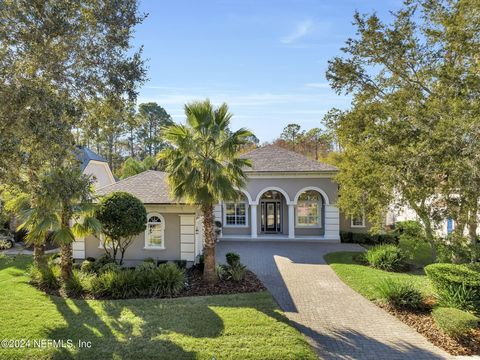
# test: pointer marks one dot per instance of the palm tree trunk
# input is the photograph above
(209, 248)
(38, 252)
(66, 262)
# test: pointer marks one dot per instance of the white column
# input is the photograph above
(291, 221)
(253, 220)
(332, 223)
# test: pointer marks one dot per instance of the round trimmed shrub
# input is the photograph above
(456, 285)
(386, 257)
(454, 322)
(400, 294)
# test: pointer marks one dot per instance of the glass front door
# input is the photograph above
(271, 217)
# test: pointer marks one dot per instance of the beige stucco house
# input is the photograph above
(287, 197)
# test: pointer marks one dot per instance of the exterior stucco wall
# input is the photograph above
(136, 252)
(345, 225)
(292, 186)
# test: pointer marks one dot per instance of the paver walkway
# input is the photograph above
(338, 322)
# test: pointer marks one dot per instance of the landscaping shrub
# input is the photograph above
(164, 280)
(237, 272)
(145, 266)
(169, 279)
(400, 294)
(456, 284)
(221, 271)
(110, 267)
(232, 258)
(114, 284)
(74, 286)
(45, 276)
(101, 261)
(386, 257)
(458, 296)
(454, 322)
(87, 266)
(149, 260)
(368, 239)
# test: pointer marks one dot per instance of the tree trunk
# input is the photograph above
(473, 225)
(430, 236)
(66, 262)
(38, 252)
(209, 247)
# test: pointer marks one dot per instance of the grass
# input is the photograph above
(364, 279)
(248, 326)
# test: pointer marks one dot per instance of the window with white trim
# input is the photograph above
(235, 214)
(309, 209)
(155, 232)
(358, 221)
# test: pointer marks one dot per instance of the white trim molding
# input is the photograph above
(162, 223)
(314, 188)
(273, 188)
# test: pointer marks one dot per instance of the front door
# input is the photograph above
(271, 217)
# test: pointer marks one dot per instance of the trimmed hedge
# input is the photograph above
(368, 239)
(454, 322)
(457, 284)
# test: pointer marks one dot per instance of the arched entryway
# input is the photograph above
(273, 213)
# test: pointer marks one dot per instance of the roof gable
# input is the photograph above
(271, 158)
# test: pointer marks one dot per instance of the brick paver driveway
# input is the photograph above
(338, 322)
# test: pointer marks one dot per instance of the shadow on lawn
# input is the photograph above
(131, 329)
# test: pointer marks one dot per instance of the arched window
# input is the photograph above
(309, 209)
(154, 234)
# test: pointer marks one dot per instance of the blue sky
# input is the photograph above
(266, 59)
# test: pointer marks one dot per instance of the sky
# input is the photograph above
(266, 59)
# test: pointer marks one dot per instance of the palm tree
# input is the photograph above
(203, 165)
(64, 210)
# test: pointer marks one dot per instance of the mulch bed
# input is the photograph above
(423, 323)
(197, 287)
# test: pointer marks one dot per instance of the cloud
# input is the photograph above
(318, 85)
(302, 28)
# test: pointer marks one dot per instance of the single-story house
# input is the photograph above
(287, 196)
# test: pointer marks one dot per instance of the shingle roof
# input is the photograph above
(149, 186)
(85, 155)
(272, 158)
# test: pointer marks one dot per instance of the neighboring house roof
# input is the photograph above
(272, 158)
(85, 155)
(149, 186)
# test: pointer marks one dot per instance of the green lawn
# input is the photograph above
(248, 326)
(364, 279)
